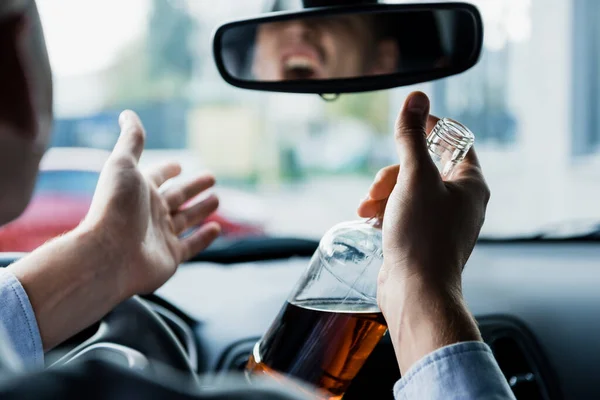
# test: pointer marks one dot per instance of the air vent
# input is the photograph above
(517, 369)
(236, 357)
(239, 363)
(520, 358)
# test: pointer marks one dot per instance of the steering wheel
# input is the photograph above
(133, 335)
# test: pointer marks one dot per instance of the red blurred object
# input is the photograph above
(46, 217)
(62, 199)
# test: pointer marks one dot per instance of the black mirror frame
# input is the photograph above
(349, 85)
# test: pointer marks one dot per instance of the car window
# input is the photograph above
(533, 102)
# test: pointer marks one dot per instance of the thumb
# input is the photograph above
(411, 134)
(132, 137)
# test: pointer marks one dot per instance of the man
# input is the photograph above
(129, 244)
(345, 46)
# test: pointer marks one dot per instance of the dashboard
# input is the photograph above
(537, 304)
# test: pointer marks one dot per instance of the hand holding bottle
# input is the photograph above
(429, 230)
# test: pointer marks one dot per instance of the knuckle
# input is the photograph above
(482, 189)
(487, 193)
(136, 134)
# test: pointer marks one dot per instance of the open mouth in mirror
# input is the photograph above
(302, 63)
(298, 67)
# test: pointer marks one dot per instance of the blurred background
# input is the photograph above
(295, 165)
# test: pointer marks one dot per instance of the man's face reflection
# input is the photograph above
(322, 48)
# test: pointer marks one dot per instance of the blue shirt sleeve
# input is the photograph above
(461, 371)
(19, 323)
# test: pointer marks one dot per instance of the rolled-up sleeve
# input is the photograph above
(461, 371)
(18, 320)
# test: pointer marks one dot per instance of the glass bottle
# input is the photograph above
(331, 322)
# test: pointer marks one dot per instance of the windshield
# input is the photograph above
(294, 165)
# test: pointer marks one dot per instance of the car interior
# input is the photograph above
(532, 284)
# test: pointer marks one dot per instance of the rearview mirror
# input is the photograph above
(349, 49)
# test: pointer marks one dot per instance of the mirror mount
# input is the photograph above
(329, 97)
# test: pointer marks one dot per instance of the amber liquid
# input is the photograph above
(318, 343)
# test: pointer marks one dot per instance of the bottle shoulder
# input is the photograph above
(352, 241)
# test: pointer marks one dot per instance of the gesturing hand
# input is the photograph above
(429, 229)
(140, 225)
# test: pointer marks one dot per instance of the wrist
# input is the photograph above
(423, 317)
(105, 255)
(71, 282)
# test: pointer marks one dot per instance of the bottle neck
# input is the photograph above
(448, 144)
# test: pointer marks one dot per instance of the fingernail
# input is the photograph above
(418, 103)
(125, 117)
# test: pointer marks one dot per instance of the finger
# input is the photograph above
(410, 134)
(370, 208)
(162, 173)
(473, 184)
(194, 214)
(469, 176)
(472, 159)
(199, 240)
(471, 179)
(384, 183)
(179, 195)
(469, 166)
(132, 137)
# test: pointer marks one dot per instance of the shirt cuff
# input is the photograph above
(18, 320)
(465, 370)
